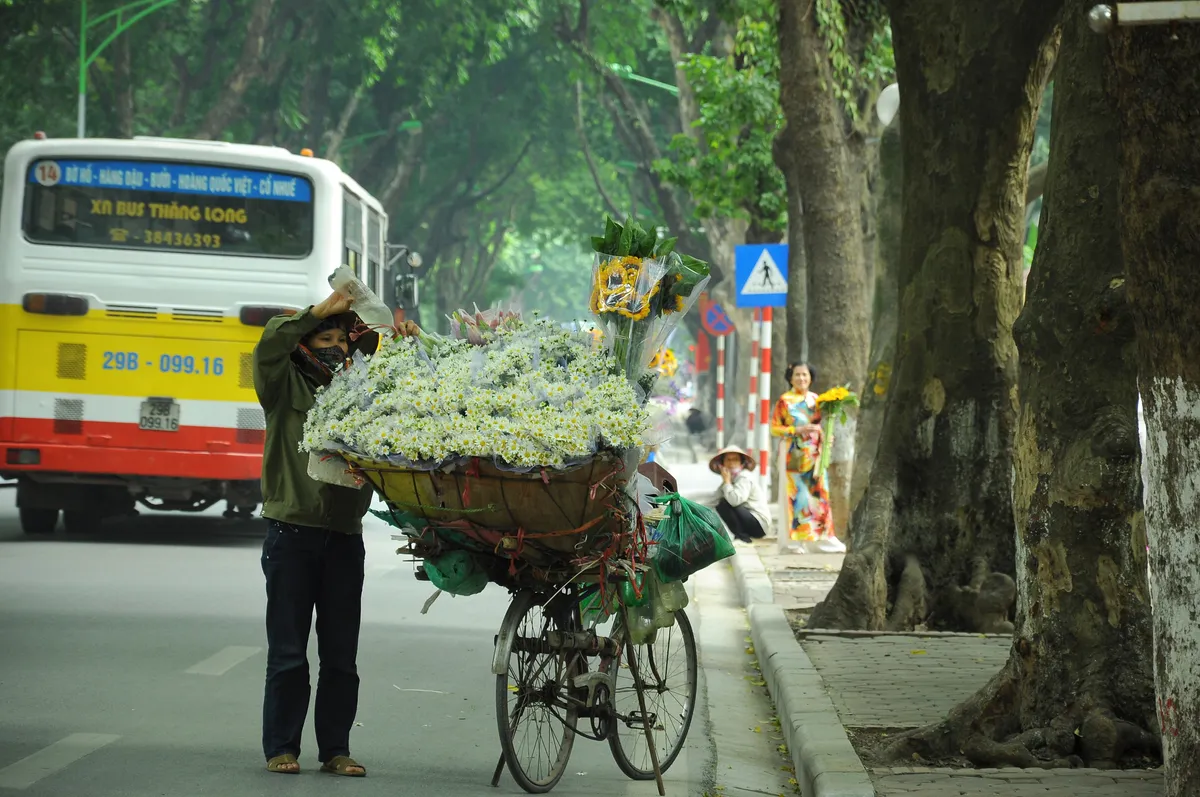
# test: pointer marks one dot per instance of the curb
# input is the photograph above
(825, 762)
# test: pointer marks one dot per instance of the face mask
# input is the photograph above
(735, 470)
(332, 357)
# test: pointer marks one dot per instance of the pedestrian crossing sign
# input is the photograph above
(760, 273)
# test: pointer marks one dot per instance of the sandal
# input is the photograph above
(342, 764)
(278, 763)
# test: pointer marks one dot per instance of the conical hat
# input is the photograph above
(714, 464)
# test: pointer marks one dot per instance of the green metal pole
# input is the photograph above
(81, 123)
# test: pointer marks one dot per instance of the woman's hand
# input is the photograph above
(811, 429)
(408, 329)
(334, 304)
(726, 475)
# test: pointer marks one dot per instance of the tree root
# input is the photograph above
(986, 730)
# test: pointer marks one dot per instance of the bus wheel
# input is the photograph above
(38, 521)
(79, 521)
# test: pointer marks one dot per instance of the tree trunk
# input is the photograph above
(250, 64)
(1157, 90)
(796, 311)
(886, 307)
(1078, 682)
(123, 78)
(938, 511)
(826, 171)
(819, 160)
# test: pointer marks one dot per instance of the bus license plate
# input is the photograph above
(159, 416)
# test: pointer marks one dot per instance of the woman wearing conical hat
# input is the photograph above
(740, 501)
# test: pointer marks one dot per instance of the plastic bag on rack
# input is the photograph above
(690, 538)
(456, 572)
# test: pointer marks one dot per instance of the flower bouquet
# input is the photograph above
(832, 404)
(641, 287)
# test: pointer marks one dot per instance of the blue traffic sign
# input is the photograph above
(760, 273)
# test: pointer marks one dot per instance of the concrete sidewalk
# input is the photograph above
(824, 682)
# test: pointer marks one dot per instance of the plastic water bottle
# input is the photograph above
(368, 306)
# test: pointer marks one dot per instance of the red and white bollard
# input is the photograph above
(752, 402)
(764, 411)
(720, 392)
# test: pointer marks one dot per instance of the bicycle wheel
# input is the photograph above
(667, 668)
(535, 719)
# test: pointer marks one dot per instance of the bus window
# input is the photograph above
(374, 251)
(353, 229)
(168, 205)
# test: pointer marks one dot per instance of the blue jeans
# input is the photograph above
(306, 569)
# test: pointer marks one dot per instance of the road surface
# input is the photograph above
(132, 662)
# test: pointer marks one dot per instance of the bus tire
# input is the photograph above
(79, 521)
(35, 520)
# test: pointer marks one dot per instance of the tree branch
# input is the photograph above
(338, 134)
(405, 169)
(504, 178)
(1037, 183)
(689, 108)
(587, 151)
(249, 67)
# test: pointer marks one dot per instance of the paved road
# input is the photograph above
(131, 664)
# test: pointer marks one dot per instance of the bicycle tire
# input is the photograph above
(522, 606)
(618, 739)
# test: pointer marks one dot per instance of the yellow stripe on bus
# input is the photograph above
(101, 355)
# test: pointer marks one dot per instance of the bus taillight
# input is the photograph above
(259, 316)
(54, 304)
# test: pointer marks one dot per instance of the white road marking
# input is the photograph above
(424, 691)
(224, 661)
(49, 760)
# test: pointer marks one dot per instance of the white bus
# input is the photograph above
(135, 279)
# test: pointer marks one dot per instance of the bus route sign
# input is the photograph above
(174, 178)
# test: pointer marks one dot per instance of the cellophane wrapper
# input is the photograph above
(638, 302)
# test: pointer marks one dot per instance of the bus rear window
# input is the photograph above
(168, 206)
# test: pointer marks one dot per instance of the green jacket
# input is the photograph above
(290, 495)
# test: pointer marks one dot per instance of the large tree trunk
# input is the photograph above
(1158, 96)
(1078, 681)
(250, 65)
(886, 308)
(820, 162)
(938, 512)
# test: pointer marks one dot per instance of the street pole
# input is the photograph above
(148, 7)
(81, 118)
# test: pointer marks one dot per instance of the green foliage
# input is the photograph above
(726, 164)
(858, 39)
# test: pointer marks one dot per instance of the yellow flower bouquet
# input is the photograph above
(641, 288)
(832, 404)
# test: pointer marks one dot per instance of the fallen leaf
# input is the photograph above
(918, 653)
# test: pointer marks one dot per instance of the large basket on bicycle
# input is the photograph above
(540, 517)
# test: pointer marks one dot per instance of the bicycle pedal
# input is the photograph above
(638, 721)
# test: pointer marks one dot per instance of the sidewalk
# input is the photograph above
(831, 685)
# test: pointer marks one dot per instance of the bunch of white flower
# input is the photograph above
(534, 394)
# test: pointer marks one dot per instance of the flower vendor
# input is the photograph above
(797, 419)
(313, 554)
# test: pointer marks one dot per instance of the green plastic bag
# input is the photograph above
(690, 538)
(456, 572)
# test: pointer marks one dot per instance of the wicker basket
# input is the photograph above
(564, 510)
